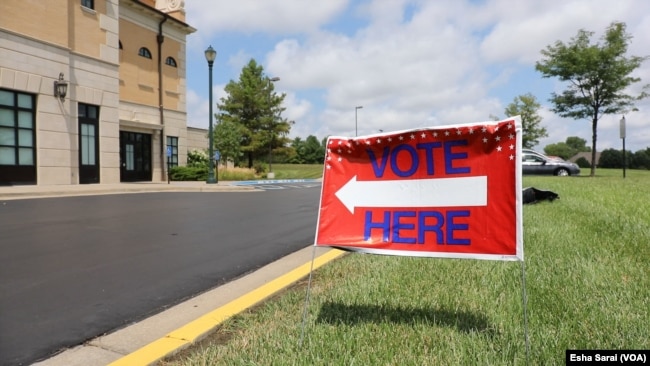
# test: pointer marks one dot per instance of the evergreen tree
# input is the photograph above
(253, 105)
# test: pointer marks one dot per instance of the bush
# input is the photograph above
(260, 168)
(197, 159)
(188, 173)
(583, 162)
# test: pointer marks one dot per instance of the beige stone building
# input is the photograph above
(122, 67)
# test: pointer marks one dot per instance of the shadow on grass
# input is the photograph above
(467, 322)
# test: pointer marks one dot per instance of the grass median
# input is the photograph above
(587, 262)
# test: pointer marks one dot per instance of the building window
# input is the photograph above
(170, 61)
(17, 137)
(172, 151)
(144, 52)
(90, 4)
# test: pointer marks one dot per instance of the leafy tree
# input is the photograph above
(597, 76)
(641, 159)
(611, 158)
(253, 105)
(527, 106)
(560, 149)
(567, 149)
(309, 151)
(227, 140)
(578, 144)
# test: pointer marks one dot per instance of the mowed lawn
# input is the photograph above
(298, 171)
(587, 266)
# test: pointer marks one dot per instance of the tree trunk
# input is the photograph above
(594, 127)
(250, 159)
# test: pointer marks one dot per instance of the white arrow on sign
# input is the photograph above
(437, 192)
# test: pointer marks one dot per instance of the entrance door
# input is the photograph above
(88, 144)
(135, 156)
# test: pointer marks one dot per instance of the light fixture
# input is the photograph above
(60, 87)
(210, 55)
(356, 131)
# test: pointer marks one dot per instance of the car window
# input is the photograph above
(529, 158)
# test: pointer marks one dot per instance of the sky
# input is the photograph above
(408, 63)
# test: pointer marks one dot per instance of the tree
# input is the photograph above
(611, 158)
(227, 140)
(641, 159)
(560, 149)
(597, 76)
(527, 106)
(567, 149)
(253, 105)
(578, 144)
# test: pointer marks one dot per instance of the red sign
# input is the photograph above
(449, 191)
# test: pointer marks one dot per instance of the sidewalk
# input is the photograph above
(34, 191)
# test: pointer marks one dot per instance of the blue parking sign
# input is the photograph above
(217, 156)
(169, 151)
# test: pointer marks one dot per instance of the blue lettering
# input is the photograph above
(415, 161)
(369, 225)
(437, 228)
(406, 166)
(450, 156)
(446, 226)
(379, 169)
(397, 226)
(453, 226)
(428, 151)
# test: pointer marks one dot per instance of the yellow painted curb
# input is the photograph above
(199, 328)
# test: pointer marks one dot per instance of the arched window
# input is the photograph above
(144, 52)
(170, 61)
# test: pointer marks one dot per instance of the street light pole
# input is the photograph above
(210, 55)
(356, 133)
(271, 175)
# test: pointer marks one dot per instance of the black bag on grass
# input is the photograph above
(534, 195)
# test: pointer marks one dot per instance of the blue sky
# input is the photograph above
(409, 63)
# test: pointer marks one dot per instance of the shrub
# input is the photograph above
(197, 158)
(583, 162)
(260, 168)
(191, 173)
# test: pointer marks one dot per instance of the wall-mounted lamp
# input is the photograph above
(60, 87)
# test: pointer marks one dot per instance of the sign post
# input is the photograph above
(450, 191)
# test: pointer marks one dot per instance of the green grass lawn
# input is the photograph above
(587, 258)
(298, 171)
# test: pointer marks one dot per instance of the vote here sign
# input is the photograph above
(449, 191)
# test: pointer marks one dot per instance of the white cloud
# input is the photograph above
(413, 63)
(267, 16)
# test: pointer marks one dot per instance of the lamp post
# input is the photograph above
(210, 55)
(270, 174)
(356, 133)
(622, 128)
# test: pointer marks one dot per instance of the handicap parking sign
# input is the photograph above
(217, 156)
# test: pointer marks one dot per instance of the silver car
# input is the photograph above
(536, 163)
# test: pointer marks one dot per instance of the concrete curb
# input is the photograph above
(26, 192)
